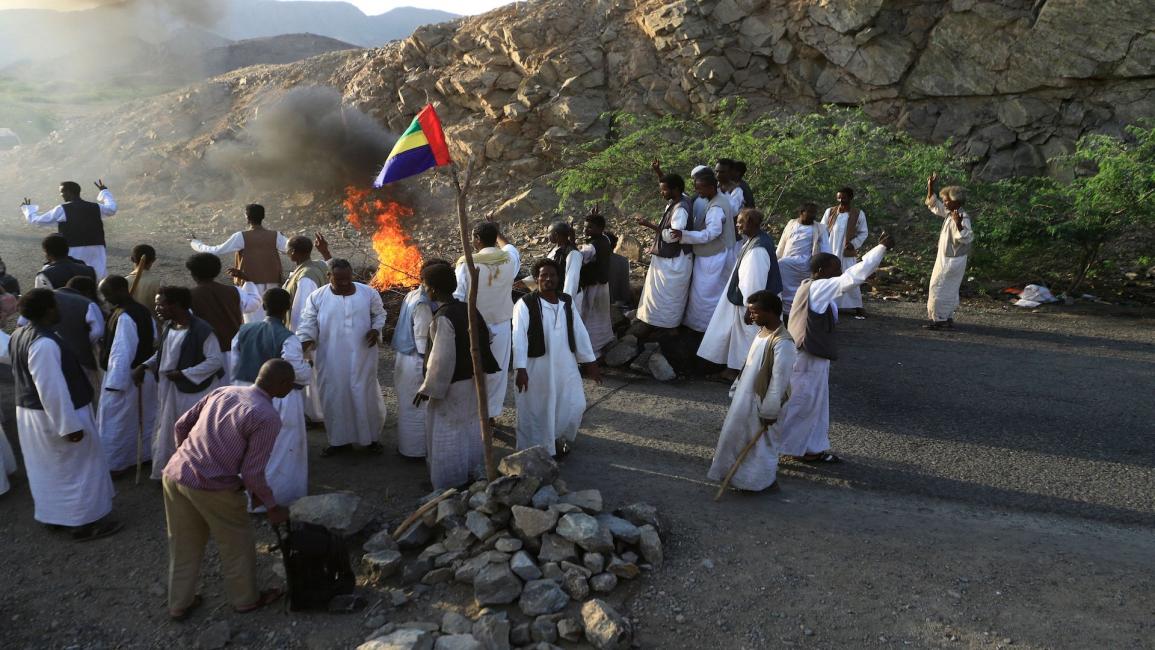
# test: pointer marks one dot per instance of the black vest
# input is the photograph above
(663, 248)
(142, 318)
(61, 271)
(192, 352)
(79, 388)
(73, 328)
(463, 361)
(598, 270)
(83, 225)
(536, 332)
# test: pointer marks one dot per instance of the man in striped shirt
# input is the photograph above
(223, 445)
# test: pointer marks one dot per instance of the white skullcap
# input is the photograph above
(699, 168)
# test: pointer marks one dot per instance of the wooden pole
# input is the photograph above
(738, 463)
(429, 505)
(474, 334)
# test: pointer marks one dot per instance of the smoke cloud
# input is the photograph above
(203, 13)
(308, 136)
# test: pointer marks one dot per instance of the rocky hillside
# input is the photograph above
(1011, 82)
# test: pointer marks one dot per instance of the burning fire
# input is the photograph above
(398, 258)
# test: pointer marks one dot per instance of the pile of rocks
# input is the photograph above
(647, 359)
(535, 554)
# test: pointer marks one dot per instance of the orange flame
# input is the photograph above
(399, 259)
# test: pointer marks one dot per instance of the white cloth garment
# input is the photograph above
(287, 471)
(667, 283)
(305, 288)
(454, 452)
(852, 298)
(710, 272)
(948, 273)
(573, 273)
(94, 256)
(69, 480)
(127, 413)
(495, 304)
(728, 337)
(804, 424)
(346, 365)
(7, 457)
(172, 403)
(746, 415)
(798, 244)
(553, 404)
(408, 373)
(236, 243)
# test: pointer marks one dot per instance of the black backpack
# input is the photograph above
(317, 567)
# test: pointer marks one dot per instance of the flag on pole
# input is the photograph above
(421, 146)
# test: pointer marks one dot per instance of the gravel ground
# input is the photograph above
(998, 491)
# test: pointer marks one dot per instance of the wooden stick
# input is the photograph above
(409, 521)
(474, 340)
(738, 463)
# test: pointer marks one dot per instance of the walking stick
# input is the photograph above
(738, 462)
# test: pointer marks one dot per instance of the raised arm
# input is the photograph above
(49, 218)
(105, 200)
(233, 244)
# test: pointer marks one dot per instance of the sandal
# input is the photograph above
(95, 530)
(267, 597)
(179, 615)
(824, 457)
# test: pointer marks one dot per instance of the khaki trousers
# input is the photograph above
(192, 516)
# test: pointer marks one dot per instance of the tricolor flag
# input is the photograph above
(421, 146)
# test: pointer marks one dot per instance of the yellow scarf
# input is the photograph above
(494, 259)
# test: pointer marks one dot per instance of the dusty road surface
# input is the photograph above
(998, 491)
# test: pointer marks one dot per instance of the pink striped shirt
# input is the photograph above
(224, 442)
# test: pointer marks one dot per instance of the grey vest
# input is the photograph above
(256, 344)
(79, 388)
(813, 333)
(191, 353)
(723, 242)
(73, 327)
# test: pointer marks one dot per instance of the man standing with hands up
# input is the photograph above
(81, 222)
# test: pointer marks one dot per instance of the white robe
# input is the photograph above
(746, 414)
(234, 244)
(408, 373)
(7, 457)
(553, 404)
(172, 403)
(287, 471)
(124, 406)
(346, 366)
(948, 273)
(667, 281)
(494, 303)
(804, 425)
(69, 481)
(94, 256)
(852, 298)
(94, 319)
(798, 244)
(454, 451)
(573, 272)
(305, 288)
(710, 272)
(728, 337)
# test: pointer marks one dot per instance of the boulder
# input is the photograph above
(523, 565)
(594, 562)
(576, 585)
(492, 630)
(403, 639)
(605, 628)
(381, 564)
(457, 642)
(623, 569)
(588, 500)
(542, 597)
(495, 584)
(480, 525)
(508, 544)
(555, 548)
(512, 491)
(640, 514)
(545, 497)
(603, 583)
(416, 536)
(620, 528)
(543, 630)
(534, 462)
(340, 512)
(650, 545)
(531, 522)
(660, 367)
(570, 629)
(624, 351)
(584, 530)
(454, 623)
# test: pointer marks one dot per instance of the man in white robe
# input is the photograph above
(802, 239)
(80, 221)
(257, 252)
(7, 457)
(127, 411)
(549, 341)
(188, 364)
(341, 324)
(712, 237)
(67, 472)
(497, 269)
(306, 277)
(224, 306)
(729, 335)
(954, 245)
(410, 347)
(569, 258)
(667, 283)
(756, 398)
(848, 232)
(287, 471)
(804, 426)
(454, 451)
(597, 258)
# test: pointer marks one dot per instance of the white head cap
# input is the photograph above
(699, 168)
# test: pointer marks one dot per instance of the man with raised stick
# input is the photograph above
(81, 222)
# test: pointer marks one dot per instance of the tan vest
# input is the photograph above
(725, 241)
(260, 260)
(219, 305)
